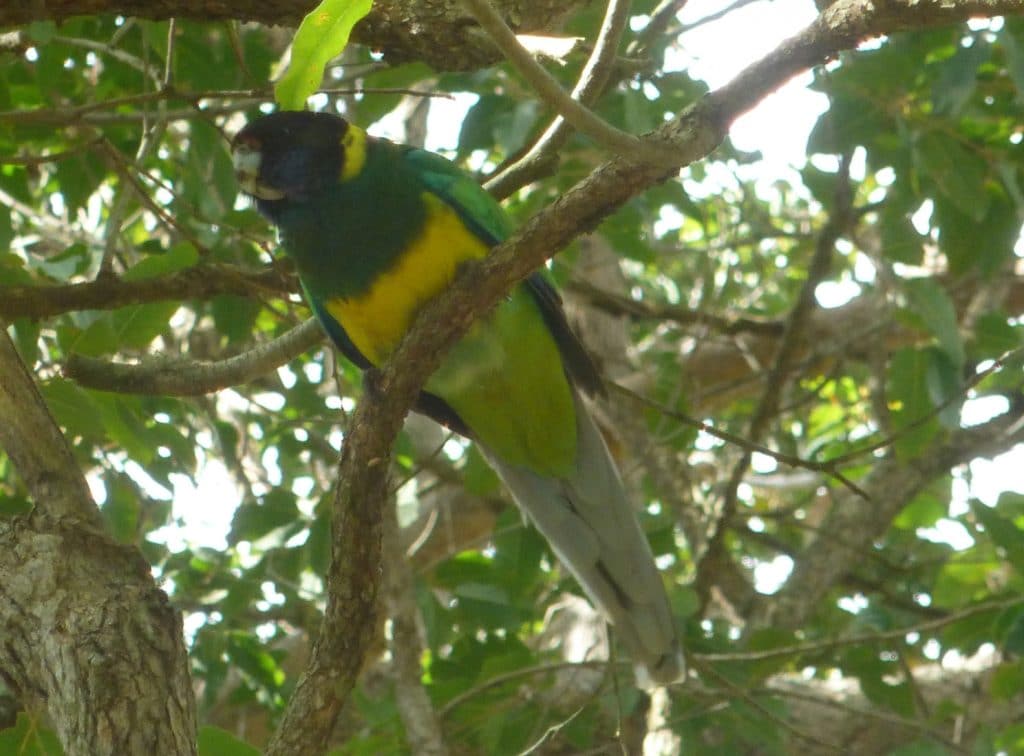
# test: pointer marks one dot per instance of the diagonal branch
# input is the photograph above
(31, 438)
(891, 484)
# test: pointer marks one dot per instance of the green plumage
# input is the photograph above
(378, 229)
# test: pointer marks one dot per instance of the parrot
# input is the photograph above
(375, 230)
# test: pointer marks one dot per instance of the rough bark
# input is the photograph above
(438, 32)
(86, 637)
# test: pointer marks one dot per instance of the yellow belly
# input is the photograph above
(376, 320)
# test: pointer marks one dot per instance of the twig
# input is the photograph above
(620, 142)
(422, 727)
(922, 728)
(719, 14)
(970, 383)
(771, 716)
(52, 157)
(620, 305)
(592, 81)
(817, 647)
(81, 113)
(828, 467)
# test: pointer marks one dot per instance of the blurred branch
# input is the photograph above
(863, 639)
(51, 157)
(437, 33)
(196, 283)
(891, 483)
(717, 15)
(738, 693)
(91, 113)
(778, 375)
(182, 377)
(422, 729)
(828, 467)
(621, 305)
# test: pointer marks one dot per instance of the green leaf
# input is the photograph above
(1013, 50)
(322, 35)
(959, 77)
(930, 302)
(923, 511)
(1011, 740)
(984, 244)
(137, 325)
(1008, 680)
(994, 335)
(957, 172)
(235, 317)
(909, 402)
(944, 381)
(1004, 534)
(121, 510)
(14, 506)
(214, 741)
(253, 521)
(28, 738)
(182, 255)
(920, 748)
(72, 407)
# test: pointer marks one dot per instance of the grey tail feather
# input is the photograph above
(590, 525)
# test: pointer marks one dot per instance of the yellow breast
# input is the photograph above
(376, 320)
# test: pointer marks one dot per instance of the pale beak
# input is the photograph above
(247, 171)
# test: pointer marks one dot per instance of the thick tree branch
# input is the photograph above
(82, 618)
(437, 32)
(36, 446)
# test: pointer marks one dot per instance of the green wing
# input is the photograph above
(478, 209)
(482, 213)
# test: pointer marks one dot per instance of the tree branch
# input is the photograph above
(422, 729)
(434, 31)
(891, 484)
(196, 283)
(181, 377)
(778, 375)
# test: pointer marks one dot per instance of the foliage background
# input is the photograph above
(123, 242)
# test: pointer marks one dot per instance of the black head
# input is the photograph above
(289, 155)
